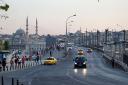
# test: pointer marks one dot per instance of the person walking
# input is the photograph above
(50, 53)
(0, 66)
(19, 63)
(23, 62)
(4, 63)
(37, 59)
(16, 62)
(11, 64)
(30, 60)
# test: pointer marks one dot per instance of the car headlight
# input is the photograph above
(84, 63)
(75, 63)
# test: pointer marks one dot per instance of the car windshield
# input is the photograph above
(80, 50)
(50, 58)
(80, 59)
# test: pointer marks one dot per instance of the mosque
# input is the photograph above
(31, 43)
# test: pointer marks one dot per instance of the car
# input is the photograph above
(50, 61)
(80, 52)
(80, 61)
(70, 46)
(89, 50)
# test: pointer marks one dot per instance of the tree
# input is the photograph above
(1, 45)
(5, 7)
(6, 45)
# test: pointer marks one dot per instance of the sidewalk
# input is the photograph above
(117, 63)
(28, 64)
(107, 70)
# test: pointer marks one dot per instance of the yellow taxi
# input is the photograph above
(80, 52)
(50, 61)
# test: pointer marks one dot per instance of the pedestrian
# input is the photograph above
(0, 66)
(30, 59)
(4, 63)
(11, 64)
(113, 63)
(50, 53)
(37, 59)
(23, 62)
(16, 62)
(19, 63)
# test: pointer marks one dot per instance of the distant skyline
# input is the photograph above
(52, 14)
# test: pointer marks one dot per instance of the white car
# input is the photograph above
(69, 48)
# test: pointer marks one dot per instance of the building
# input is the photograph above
(51, 41)
(36, 44)
(18, 40)
(30, 43)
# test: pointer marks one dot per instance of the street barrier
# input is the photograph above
(15, 67)
(2, 81)
(10, 81)
(17, 82)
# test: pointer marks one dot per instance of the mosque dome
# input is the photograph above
(20, 32)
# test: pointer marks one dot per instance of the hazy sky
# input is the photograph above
(52, 14)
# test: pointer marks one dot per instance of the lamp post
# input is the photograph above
(67, 22)
(66, 40)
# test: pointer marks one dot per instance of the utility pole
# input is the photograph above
(66, 36)
(124, 40)
(86, 37)
(106, 35)
(98, 33)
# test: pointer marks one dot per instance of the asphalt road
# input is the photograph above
(97, 73)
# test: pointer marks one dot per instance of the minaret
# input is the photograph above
(27, 37)
(27, 26)
(36, 27)
(80, 29)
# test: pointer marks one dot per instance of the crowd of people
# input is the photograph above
(17, 62)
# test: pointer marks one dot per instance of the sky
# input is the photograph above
(52, 15)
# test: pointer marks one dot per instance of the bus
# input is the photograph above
(3, 54)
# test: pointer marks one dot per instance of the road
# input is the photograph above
(97, 73)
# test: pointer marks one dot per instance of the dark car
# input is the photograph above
(80, 61)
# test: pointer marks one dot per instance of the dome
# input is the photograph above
(20, 31)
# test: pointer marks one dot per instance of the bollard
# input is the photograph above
(2, 81)
(31, 63)
(12, 81)
(17, 82)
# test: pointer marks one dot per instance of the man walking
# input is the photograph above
(4, 63)
(12, 64)
(50, 53)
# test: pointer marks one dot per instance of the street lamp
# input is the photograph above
(67, 22)
(66, 40)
